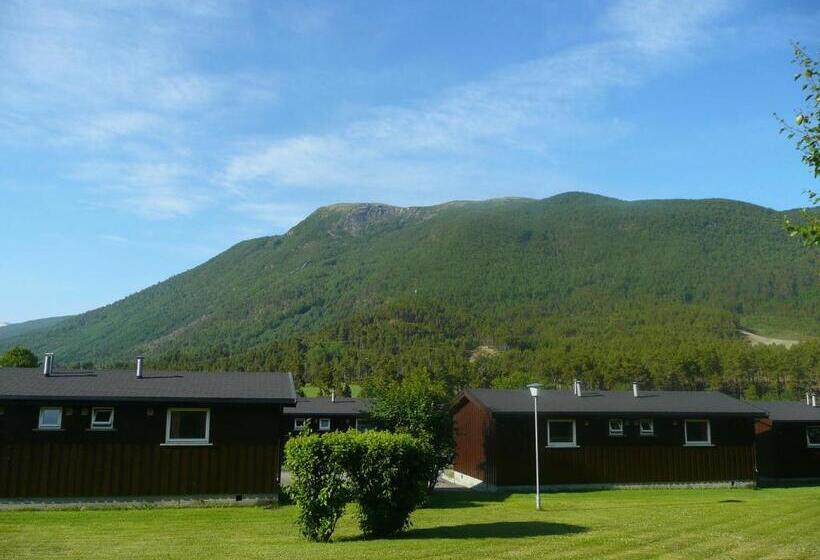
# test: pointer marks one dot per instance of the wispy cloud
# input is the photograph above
(122, 86)
(531, 108)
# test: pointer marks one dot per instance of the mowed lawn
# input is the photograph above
(770, 523)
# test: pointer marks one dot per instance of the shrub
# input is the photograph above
(419, 406)
(319, 485)
(388, 473)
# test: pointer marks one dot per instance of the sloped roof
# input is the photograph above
(788, 411)
(613, 402)
(124, 385)
(323, 406)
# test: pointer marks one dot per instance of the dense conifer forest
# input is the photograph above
(496, 293)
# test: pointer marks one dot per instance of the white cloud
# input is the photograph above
(531, 108)
(120, 85)
(157, 190)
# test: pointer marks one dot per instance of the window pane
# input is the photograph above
(102, 416)
(560, 432)
(813, 434)
(696, 431)
(616, 426)
(646, 425)
(188, 424)
(50, 417)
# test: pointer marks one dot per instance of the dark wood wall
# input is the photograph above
(130, 461)
(472, 427)
(499, 449)
(601, 458)
(782, 451)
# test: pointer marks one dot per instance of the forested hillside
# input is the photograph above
(485, 293)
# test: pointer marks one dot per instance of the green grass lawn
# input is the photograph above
(770, 523)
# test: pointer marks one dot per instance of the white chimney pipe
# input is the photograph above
(814, 401)
(48, 364)
(333, 395)
(808, 400)
(635, 389)
(578, 388)
(139, 367)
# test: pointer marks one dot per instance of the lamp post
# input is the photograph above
(534, 389)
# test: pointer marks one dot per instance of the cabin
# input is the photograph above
(328, 414)
(130, 433)
(788, 441)
(602, 437)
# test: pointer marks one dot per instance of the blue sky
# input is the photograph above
(138, 139)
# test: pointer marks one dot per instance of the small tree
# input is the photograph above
(806, 129)
(319, 483)
(18, 356)
(419, 406)
(388, 473)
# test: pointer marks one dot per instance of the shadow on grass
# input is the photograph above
(441, 499)
(496, 530)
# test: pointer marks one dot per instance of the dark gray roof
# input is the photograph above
(322, 406)
(123, 385)
(614, 402)
(789, 411)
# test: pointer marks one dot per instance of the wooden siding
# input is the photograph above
(782, 450)
(472, 425)
(499, 450)
(45, 469)
(243, 457)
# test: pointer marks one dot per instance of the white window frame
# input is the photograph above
(650, 431)
(57, 426)
(616, 433)
(363, 421)
(808, 441)
(550, 443)
(102, 425)
(323, 421)
(707, 443)
(296, 424)
(188, 441)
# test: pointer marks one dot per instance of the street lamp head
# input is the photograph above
(534, 388)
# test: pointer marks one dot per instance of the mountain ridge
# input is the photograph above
(514, 271)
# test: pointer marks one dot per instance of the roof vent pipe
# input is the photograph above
(139, 367)
(578, 388)
(814, 401)
(808, 399)
(333, 395)
(575, 387)
(48, 364)
(635, 389)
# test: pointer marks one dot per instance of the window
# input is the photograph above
(561, 433)
(813, 436)
(51, 418)
(324, 424)
(698, 433)
(298, 424)
(363, 425)
(188, 426)
(647, 427)
(102, 418)
(616, 427)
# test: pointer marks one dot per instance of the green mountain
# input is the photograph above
(12, 330)
(482, 293)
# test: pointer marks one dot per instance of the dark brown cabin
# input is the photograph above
(114, 434)
(603, 437)
(327, 414)
(788, 441)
